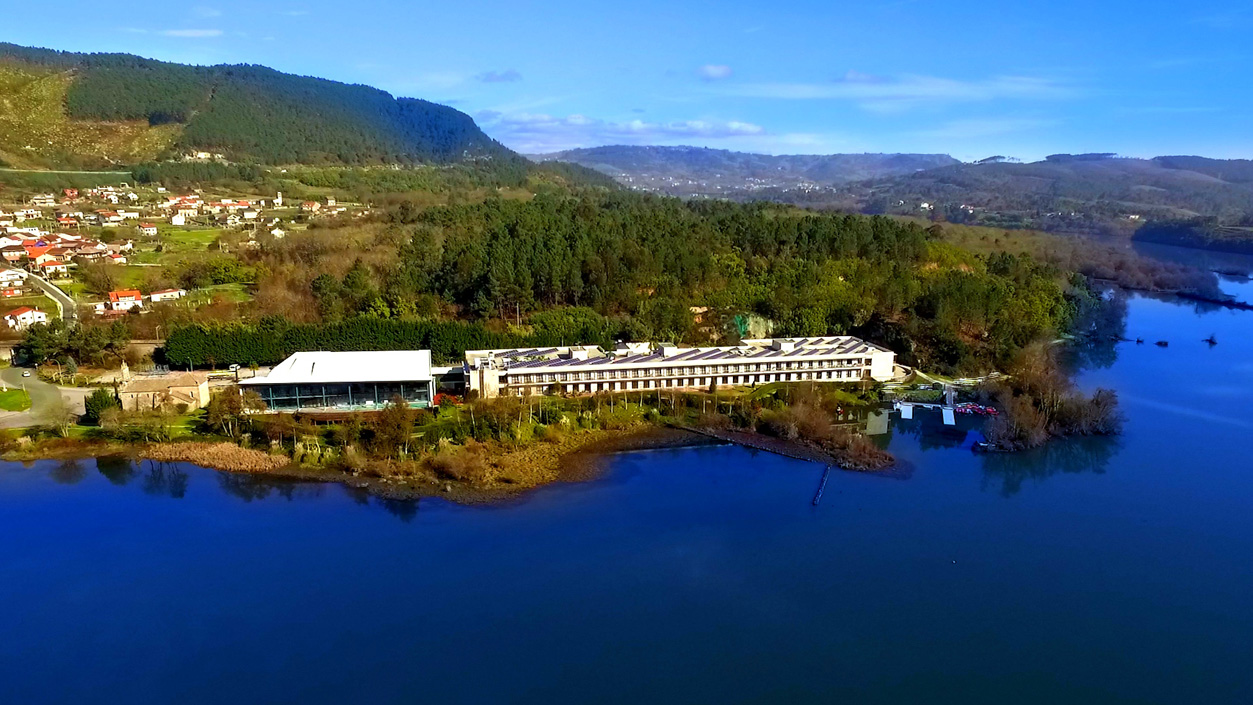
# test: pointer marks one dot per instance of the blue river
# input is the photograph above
(1092, 571)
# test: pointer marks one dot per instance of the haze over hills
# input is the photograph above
(1074, 192)
(1087, 192)
(700, 171)
(69, 109)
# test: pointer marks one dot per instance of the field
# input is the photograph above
(39, 301)
(14, 400)
(35, 131)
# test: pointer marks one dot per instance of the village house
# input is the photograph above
(13, 253)
(44, 200)
(173, 389)
(10, 292)
(148, 229)
(24, 317)
(92, 253)
(115, 259)
(54, 268)
(12, 277)
(125, 300)
(166, 295)
(310, 206)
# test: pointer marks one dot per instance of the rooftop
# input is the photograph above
(163, 383)
(323, 367)
(759, 349)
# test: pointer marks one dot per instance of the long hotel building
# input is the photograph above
(634, 366)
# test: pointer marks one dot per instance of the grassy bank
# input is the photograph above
(477, 450)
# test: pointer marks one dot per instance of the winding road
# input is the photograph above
(42, 395)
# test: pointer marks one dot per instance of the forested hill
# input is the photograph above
(689, 171)
(119, 108)
(1105, 185)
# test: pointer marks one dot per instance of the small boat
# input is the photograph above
(1211, 340)
(1162, 344)
(1139, 341)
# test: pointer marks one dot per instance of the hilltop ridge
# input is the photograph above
(64, 108)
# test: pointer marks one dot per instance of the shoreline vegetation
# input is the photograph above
(1039, 403)
(479, 450)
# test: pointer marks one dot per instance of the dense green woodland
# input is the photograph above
(368, 183)
(253, 112)
(607, 265)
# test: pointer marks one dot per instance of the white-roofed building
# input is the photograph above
(635, 366)
(346, 381)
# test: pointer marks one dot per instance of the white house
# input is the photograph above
(166, 295)
(9, 277)
(24, 317)
(125, 300)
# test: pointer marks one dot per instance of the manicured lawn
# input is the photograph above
(14, 400)
(189, 240)
(235, 293)
(39, 301)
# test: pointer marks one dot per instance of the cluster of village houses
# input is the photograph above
(52, 255)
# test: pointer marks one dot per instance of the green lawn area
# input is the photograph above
(235, 293)
(14, 400)
(39, 301)
(189, 240)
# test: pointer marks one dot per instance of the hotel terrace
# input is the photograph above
(633, 366)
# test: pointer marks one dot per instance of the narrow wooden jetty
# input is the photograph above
(822, 485)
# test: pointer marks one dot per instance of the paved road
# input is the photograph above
(69, 310)
(42, 394)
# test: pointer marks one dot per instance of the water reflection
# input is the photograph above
(403, 509)
(1009, 471)
(928, 427)
(117, 469)
(68, 472)
(165, 480)
(1099, 327)
(258, 487)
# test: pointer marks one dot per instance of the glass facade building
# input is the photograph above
(344, 396)
(346, 381)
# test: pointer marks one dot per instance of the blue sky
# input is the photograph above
(972, 79)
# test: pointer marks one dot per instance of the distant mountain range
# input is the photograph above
(1074, 192)
(1082, 193)
(91, 110)
(699, 171)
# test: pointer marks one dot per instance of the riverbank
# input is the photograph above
(504, 472)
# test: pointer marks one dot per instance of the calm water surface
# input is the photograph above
(1094, 571)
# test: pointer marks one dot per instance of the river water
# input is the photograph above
(1093, 571)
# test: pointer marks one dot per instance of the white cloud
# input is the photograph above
(538, 132)
(206, 12)
(191, 33)
(506, 76)
(880, 94)
(714, 72)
